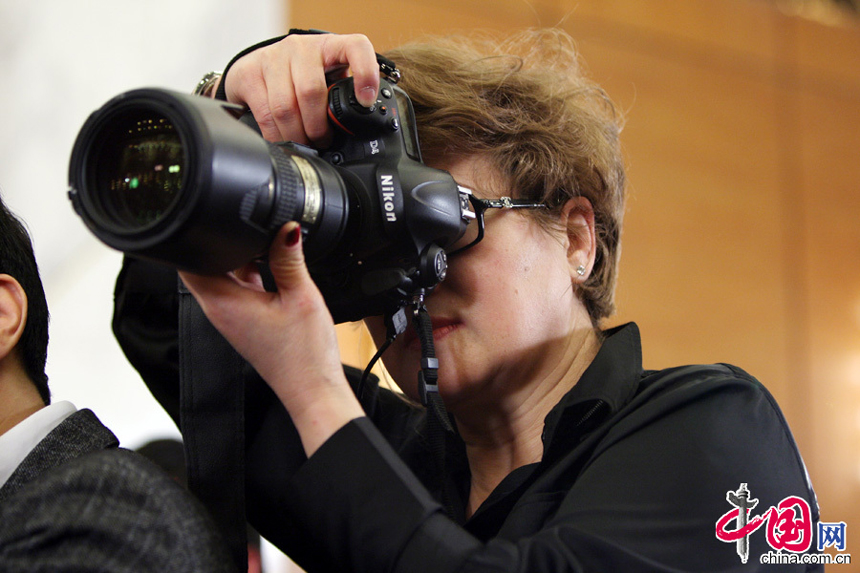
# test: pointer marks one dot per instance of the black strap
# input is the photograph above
(385, 65)
(221, 92)
(428, 388)
(212, 423)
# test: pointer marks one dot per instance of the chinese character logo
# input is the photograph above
(789, 524)
(831, 535)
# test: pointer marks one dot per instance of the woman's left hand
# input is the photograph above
(288, 336)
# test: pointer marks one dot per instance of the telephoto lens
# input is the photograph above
(173, 178)
(176, 179)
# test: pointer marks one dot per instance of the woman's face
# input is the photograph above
(504, 314)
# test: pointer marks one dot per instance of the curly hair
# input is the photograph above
(525, 104)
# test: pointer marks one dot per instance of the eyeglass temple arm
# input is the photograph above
(481, 205)
(507, 203)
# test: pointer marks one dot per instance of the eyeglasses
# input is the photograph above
(475, 230)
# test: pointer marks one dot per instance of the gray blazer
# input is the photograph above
(78, 502)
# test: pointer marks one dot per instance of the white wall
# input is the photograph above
(59, 61)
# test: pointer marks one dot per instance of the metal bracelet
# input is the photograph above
(206, 83)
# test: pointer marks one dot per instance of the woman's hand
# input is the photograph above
(284, 84)
(288, 336)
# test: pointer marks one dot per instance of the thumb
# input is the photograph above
(287, 259)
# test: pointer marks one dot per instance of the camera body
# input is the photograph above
(176, 179)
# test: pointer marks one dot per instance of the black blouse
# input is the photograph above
(635, 476)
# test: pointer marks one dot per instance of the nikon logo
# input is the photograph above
(386, 184)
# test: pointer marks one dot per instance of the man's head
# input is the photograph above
(18, 265)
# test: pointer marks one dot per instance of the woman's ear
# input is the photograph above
(577, 215)
(13, 314)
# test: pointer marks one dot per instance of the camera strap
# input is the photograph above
(439, 424)
(428, 377)
(386, 66)
(212, 404)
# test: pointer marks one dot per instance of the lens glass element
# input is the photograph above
(139, 170)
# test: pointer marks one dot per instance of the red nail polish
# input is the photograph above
(294, 236)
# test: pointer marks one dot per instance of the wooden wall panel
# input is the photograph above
(826, 56)
(736, 29)
(389, 24)
(703, 246)
(830, 268)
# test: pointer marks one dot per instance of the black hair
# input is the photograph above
(18, 260)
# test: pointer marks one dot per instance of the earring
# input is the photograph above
(580, 270)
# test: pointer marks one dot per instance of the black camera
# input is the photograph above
(177, 179)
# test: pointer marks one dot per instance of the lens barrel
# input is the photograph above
(173, 178)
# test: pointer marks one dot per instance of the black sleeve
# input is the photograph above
(146, 324)
(648, 497)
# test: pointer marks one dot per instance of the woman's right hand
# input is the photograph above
(284, 84)
(287, 335)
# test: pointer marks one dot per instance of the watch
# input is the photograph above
(206, 83)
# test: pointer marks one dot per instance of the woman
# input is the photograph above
(567, 455)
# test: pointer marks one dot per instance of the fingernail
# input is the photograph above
(294, 236)
(368, 94)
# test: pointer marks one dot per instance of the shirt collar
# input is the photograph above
(609, 382)
(20, 440)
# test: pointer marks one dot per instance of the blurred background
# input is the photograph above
(741, 242)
